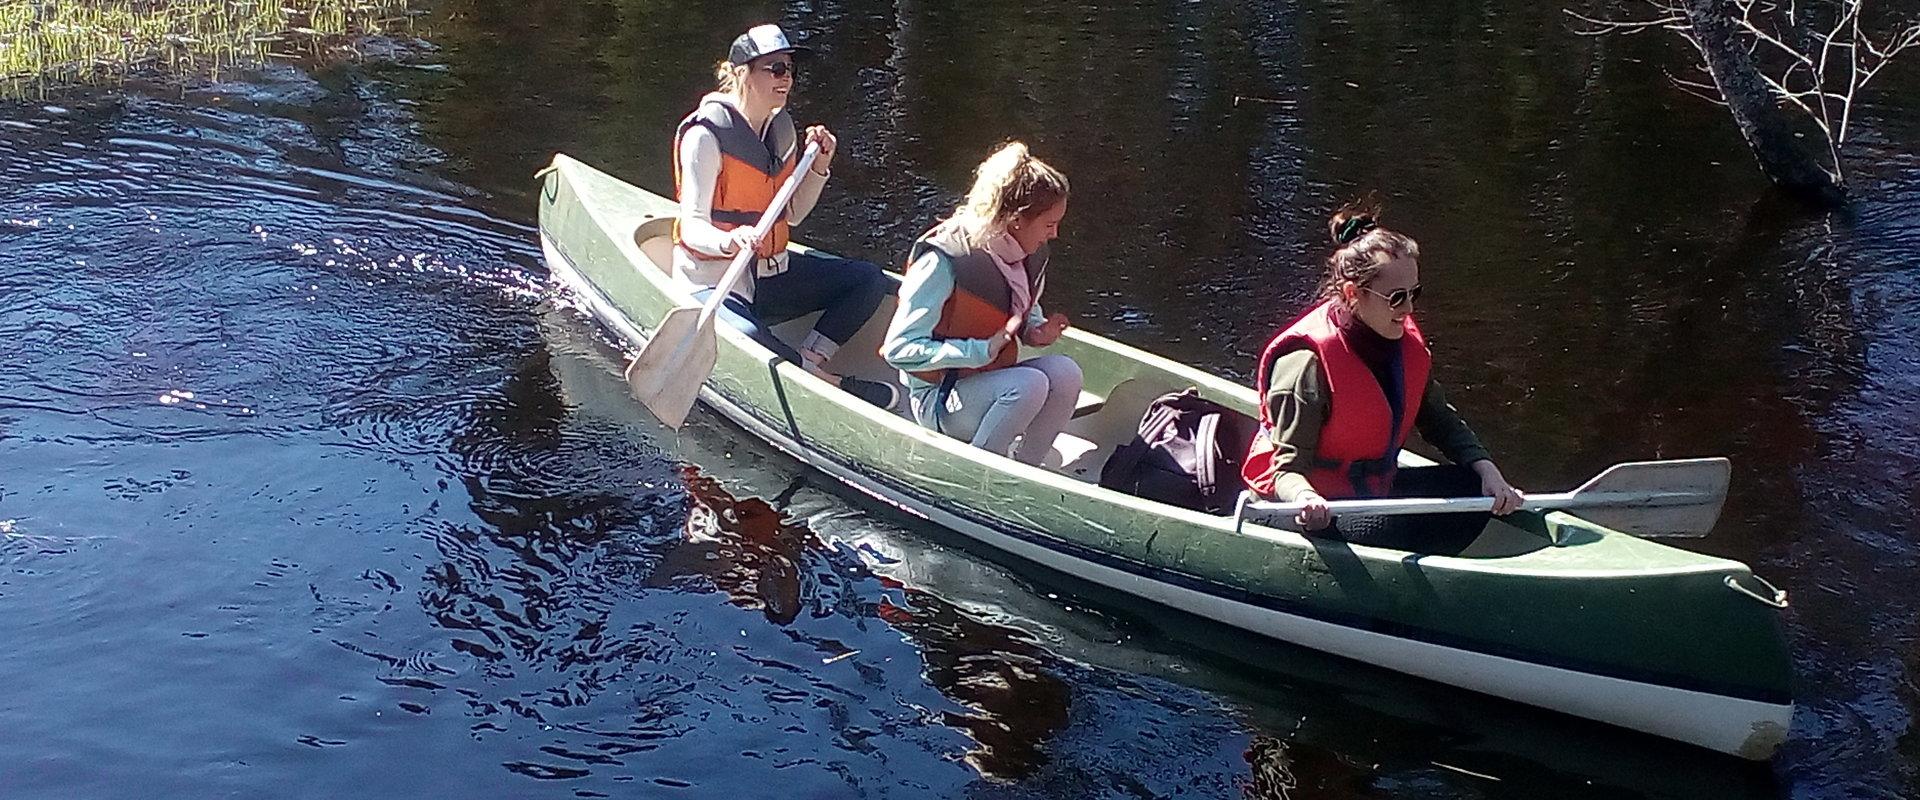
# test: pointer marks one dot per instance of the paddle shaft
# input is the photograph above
(1678, 497)
(739, 266)
(1467, 505)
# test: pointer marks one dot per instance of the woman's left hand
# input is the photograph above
(1048, 332)
(818, 134)
(1506, 499)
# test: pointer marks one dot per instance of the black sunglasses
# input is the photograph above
(1397, 297)
(781, 69)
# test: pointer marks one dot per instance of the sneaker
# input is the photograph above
(884, 395)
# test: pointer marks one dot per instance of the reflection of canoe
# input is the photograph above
(1549, 610)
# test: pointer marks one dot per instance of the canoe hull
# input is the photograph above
(1744, 722)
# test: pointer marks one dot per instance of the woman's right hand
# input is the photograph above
(1046, 333)
(743, 236)
(1314, 513)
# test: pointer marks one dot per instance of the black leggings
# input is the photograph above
(1422, 533)
(845, 291)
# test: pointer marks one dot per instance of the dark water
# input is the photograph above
(316, 486)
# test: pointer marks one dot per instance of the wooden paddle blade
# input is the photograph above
(669, 371)
(1682, 498)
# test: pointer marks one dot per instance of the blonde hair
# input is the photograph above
(1009, 184)
(723, 75)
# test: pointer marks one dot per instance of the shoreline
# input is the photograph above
(51, 46)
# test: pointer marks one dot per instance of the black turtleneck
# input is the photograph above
(1382, 357)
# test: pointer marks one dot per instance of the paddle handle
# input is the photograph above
(774, 210)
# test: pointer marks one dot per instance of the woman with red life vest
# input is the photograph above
(971, 296)
(1344, 385)
(730, 157)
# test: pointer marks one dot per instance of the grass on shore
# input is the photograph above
(49, 44)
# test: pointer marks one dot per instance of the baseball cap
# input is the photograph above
(761, 40)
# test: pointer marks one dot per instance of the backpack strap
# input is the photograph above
(1206, 452)
(1159, 423)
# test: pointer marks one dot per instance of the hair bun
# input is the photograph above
(1353, 227)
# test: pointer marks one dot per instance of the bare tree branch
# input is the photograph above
(1745, 22)
(1602, 27)
(1853, 80)
(1704, 91)
(1805, 62)
(1849, 13)
(1885, 53)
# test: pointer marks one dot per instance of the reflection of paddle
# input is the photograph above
(679, 356)
(1680, 498)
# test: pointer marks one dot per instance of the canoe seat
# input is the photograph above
(1100, 424)
(1077, 458)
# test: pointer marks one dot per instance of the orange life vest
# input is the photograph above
(752, 168)
(982, 302)
(1360, 440)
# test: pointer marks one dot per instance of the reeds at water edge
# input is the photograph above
(46, 45)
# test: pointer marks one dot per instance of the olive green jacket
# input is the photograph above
(1298, 401)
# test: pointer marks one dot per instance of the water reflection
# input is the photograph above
(1276, 764)
(748, 551)
(1009, 700)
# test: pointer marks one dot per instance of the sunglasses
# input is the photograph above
(781, 69)
(1397, 297)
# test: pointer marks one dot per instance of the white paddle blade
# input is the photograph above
(667, 374)
(1680, 498)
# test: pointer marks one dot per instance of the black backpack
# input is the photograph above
(1188, 454)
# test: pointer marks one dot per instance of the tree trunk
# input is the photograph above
(1756, 111)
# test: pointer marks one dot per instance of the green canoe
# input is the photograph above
(1549, 610)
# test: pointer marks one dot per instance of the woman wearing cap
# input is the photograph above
(731, 156)
(1344, 385)
(971, 295)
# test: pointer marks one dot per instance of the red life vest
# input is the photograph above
(752, 168)
(982, 302)
(1359, 445)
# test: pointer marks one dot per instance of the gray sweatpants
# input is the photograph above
(1033, 400)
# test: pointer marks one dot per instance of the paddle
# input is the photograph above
(1679, 498)
(680, 354)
